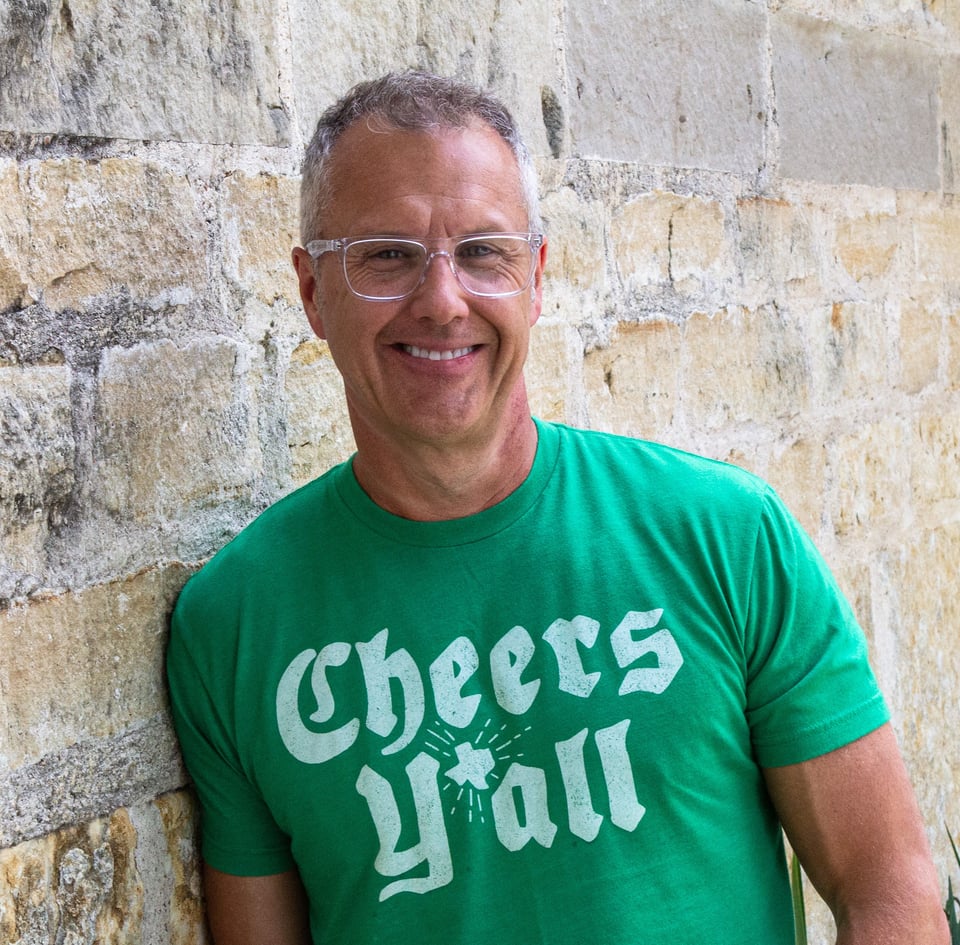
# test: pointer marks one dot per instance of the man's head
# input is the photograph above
(409, 101)
(422, 269)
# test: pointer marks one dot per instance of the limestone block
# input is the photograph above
(667, 238)
(904, 17)
(920, 333)
(933, 475)
(120, 223)
(855, 107)
(633, 386)
(744, 366)
(505, 47)
(929, 663)
(318, 429)
(950, 107)
(83, 665)
(553, 371)
(37, 466)
(778, 249)
(343, 45)
(143, 70)
(665, 83)
(953, 350)
(576, 228)
(936, 240)
(176, 426)
(872, 492)
(852, 351)
(868, 246)
(13, 285)
(259, 230)
(131, 877)
(508, 47)
(798, 471)
(88, 779)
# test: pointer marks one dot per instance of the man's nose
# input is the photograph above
(439, 296)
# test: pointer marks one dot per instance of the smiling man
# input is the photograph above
(496, 680)
(432, 362)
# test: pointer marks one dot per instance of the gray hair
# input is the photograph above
(408, 101)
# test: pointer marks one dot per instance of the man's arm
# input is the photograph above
(256, 910)
(853, 821)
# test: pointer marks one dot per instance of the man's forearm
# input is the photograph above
(906, 910)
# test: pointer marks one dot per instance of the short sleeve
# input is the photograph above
(239, 834)
(811, 689)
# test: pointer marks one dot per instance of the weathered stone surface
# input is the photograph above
(936, 243)
(920, 334)
(743, 366)
(633, 385)
(132, 877)
(663, 83)
(778, 249)
(145, 70)
(853, 351)
(259, 230)
(345, 45)
(950, 105)
(953, 350)
(799, 474)
(667, 238)
(318, 429)
(104, 648)
(933, 474)
(333, 51)
(575, 238)
(12, 282)
(855, 107)
(869, 246)
(872, 491)
(37, 467)
(90, 778)
(80, 229)
(176, 426)
(554, 395)
(924, 641)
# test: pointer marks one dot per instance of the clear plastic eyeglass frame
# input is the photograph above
(422, 250)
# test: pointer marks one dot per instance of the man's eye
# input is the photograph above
(478, 250)
(381, 255)
(391, 252)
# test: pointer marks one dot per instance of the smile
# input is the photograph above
(437, 355)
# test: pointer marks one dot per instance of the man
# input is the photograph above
(502, 681)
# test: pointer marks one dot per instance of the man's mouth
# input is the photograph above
(432, 355)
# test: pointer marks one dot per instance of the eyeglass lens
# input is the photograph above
(487, 266)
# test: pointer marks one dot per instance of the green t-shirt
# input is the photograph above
(538, 724)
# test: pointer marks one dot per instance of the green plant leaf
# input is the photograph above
(799, 908)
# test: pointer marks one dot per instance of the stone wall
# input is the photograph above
(755, 254)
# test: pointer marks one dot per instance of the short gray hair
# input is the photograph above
(407, 101)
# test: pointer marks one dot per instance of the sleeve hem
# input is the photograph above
(804, 745)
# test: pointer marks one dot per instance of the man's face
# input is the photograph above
(425, 186)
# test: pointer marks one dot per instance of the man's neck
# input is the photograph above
(436, 482)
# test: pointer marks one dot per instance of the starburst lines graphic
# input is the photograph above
(474, 763)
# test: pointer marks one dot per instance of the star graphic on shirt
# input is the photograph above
(474, 764)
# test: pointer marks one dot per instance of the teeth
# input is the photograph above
(436, 355)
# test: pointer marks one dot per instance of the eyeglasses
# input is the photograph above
(387, 268)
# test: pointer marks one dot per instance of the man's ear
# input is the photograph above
(305, 267)
(536, 286)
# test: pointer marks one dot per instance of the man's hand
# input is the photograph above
(256, 910)
(853, 821)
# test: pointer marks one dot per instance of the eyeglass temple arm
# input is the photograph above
(317, 248)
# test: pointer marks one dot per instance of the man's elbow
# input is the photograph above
(892, 906)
